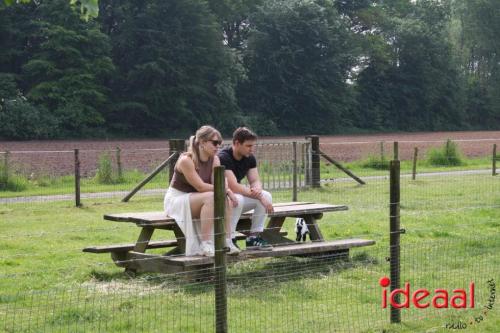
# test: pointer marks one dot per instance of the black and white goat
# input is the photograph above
(301, 229)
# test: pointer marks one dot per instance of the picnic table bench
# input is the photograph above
(133, 257)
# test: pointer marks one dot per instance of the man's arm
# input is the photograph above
(256, 189)
(235, 186)
(254, 180)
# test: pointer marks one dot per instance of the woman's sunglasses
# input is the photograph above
(216, 142)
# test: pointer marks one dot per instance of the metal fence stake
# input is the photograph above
(494, 160)
(294, 194)
(395, 233)
(78, 202)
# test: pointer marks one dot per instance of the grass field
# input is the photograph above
(48, 285)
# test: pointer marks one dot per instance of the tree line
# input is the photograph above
(155, 68)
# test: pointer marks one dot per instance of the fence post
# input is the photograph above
(307, 163)
(294, 190)
(494, 160)
(220, 251)
(414, 170)
(175, 145)
(119, 163)
(395, 233)
(78, 203)
(382, 153)
(6, 167)
(315, 161)
(396, 150)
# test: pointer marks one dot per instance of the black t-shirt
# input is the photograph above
(239, 168)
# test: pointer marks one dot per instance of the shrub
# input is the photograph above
(105, 170)
(377, 163)
(448, 155)
(11, 182)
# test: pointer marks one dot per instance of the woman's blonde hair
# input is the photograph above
(204, 133)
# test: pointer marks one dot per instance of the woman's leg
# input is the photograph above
(202, 208)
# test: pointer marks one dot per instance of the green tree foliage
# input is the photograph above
(61, 63)
(19, 119)
(88, 8)
(174, 72)
(475, 32)
(414, 82)
(72, 68)
(298, 60)
(233, 16)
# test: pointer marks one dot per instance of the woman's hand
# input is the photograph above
(232, 198)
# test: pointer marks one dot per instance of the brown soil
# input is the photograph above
(57, 157)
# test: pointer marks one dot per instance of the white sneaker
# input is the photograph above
(233, 250)
(207, 249)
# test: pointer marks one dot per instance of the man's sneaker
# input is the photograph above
(257, 243)
(207, 249)
(233, 249)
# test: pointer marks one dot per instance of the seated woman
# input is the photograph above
(190, 197)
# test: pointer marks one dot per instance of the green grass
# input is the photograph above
(51, 185)
(271, 173)
(48, 284)
(360, 168)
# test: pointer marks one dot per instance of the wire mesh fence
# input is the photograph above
(451, 220)
(326, 294)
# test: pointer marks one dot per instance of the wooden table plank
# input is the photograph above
(279, 251)
(280, 209)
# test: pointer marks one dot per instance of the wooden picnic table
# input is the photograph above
(133, 257)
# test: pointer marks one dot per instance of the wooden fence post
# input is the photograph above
(494, 160)
(6, 167)
(382, 153)
(414, 170)
(307, 164)
(395, 233)
(315, 161)
(396, 151)
(119, 164)
(178, 146)
(220, 251)
(303, 165)
(294, 190)
(78, 202)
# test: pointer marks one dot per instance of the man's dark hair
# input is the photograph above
(242, 134)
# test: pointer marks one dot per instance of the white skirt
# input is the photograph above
(176, 205)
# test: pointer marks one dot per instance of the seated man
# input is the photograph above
(240, 163)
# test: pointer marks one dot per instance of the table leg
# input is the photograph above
(144, 238)
(272, 231)
(181, 242)
(140, 246)
(313, 227)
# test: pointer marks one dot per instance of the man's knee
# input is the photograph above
(240, 199)
(267, 196)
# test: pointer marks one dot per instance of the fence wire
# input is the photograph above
(450, 215)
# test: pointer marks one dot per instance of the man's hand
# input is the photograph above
(267, 205)
(255, 192)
